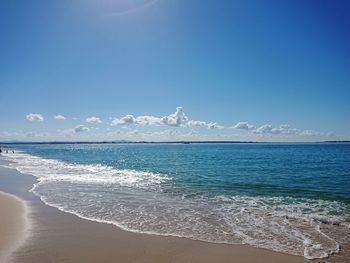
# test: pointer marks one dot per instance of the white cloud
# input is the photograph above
(209, 125)
(59, 117)
(93, 120)
(167, 132)
(286, 130)
(266, 128)
(80, 128)
(126, 120)
(173, 132)
(148, 120)
(35, 134)
(34, 117)
(310, 133)
(214, 125)
(244, 126)
(177, 119)
(192, 123)
(283, 129)
(72, 131)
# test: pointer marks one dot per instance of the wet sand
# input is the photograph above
(13, 224)
(57, 236)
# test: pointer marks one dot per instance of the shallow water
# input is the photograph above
(292, 198)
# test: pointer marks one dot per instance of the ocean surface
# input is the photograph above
(292, 198)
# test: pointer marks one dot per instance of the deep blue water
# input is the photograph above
(298, 170)
(276, 196)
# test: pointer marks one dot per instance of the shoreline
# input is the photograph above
(61, 236)
(14, 224)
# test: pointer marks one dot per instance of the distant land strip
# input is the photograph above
(155, 142)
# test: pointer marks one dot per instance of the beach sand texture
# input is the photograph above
(13, 224)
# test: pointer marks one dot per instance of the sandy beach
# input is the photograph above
(13, 224)
(57, 236)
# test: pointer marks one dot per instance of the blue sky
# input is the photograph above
(175, 69)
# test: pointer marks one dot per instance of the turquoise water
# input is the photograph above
(293, 198)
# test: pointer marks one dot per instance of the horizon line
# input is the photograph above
(165, 142)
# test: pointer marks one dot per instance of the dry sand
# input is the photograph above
(57, 237)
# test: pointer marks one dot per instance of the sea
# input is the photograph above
(290, 198)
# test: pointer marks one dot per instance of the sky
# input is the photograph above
(161, 70)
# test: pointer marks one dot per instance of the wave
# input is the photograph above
(142, 202)
(50, 170)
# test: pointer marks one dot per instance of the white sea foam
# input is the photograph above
(136, 201)
(48, 170)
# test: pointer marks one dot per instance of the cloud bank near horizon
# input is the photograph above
(283, 129)
(176, 119)
(176, 125)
